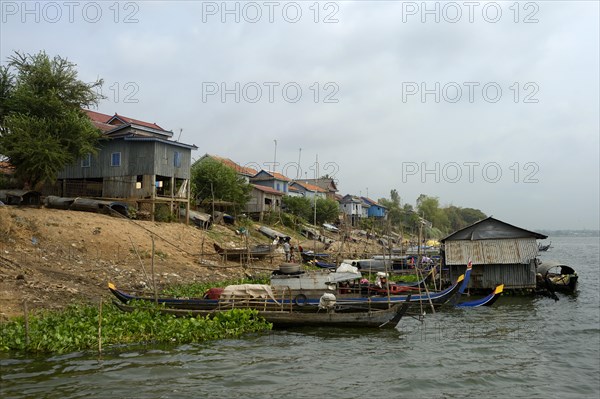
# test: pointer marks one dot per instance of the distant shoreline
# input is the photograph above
(570, 233)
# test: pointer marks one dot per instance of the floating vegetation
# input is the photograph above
(79, 328)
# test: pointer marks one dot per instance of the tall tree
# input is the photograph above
(327, 210)
(299, 206)
(429, 208)
(42, 125)
(210, 178)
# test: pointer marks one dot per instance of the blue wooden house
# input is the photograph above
(274, 180)
(375, 210)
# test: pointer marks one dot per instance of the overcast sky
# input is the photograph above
(490, 105)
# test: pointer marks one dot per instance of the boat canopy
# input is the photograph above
(552, 266)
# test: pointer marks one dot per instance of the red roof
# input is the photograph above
(104, 122)
(267, 189)
(135, 121)
(97, 116)
(238, 168)
(275, 175)
(310, 187)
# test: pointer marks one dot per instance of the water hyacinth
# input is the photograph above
(77, 328)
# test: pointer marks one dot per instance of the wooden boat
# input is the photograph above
(178, 303)
(543, 248)
(256, 251)
(485, 301)
(325, 265)
(387, 318)
(556, 276)
(308, 256)
(304, 289)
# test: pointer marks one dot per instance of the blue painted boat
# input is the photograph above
(486, 301)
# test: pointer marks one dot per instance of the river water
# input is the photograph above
(520, 347)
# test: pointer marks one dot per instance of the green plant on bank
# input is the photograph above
(197, 290)
(76, 328)
(162, 213)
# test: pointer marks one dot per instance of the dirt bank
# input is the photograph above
(50, 258)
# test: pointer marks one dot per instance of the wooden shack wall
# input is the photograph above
(137, 158)
(513, 276)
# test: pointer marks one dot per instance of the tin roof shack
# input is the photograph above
(501, 254)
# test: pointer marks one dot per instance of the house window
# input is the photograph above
(115, 159)
(278, 187)
(139, 180)
(177, 159)
(86, 161)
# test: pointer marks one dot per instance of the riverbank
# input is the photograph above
(52, 258)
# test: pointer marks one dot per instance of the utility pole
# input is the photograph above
(298, 171)
(275, 156)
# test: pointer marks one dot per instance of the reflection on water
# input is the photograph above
(520, 347)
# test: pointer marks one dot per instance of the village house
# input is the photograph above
(375, 210)
(500, 253)
(308, 190)
(326, 183)
(352, 207)
(263, 199)
(274, 180)
(136, 161)
(243, 172)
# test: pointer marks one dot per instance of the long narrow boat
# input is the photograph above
(257, 251)
(298, 299)
(485, 301)
(387, 318)
(177, 303)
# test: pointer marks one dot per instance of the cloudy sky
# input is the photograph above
(491, 105)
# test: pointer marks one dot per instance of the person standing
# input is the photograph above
(286, 250)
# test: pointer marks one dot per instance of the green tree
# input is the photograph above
(298, 206)
(42, 125)
(327, 210)
(429, 209)
(211, 177)
(394, 211)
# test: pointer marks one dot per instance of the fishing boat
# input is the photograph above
(485, 301)
(544, 248)
(325, 265)
(381, 318)
(302, 289)
(306, 287)
(256, 251)
(308, 256)
(556, 276)
(204, 303)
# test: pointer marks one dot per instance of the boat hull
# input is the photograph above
(388, 318)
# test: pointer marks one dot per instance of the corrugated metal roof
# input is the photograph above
(489, 252)
(490, 229)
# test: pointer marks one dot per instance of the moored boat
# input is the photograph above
(304, 289)
(556, 276)
(485, 301)
(387, 318)
(256, 251)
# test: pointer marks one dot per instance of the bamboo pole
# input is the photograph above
(100, 328)
(139, 258)
(153, 280)
(26, 314)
